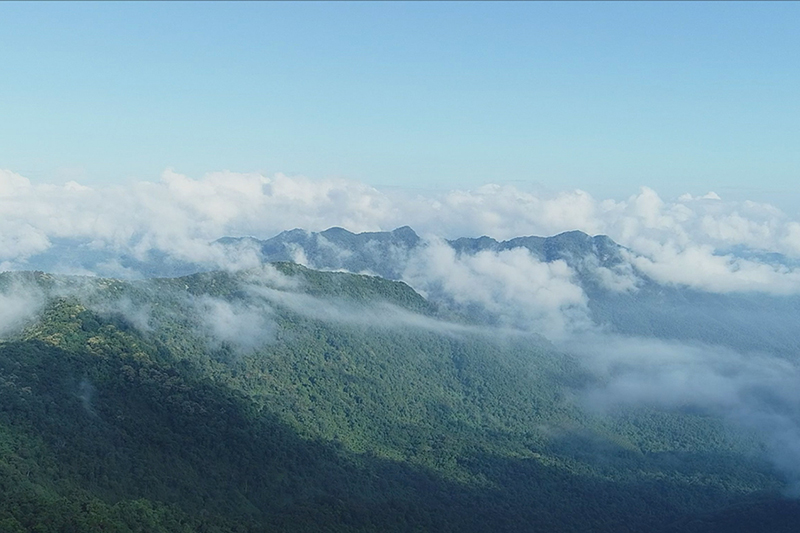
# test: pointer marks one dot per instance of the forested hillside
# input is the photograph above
(286, 399)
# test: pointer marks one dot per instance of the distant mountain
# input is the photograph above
(77, 257)
(385, 253)
(571, 246)
(381, 253)
(619, 296)
(743, 321)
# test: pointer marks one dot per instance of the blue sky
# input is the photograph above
(605, 97)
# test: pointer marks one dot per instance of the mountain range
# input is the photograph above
(286, 397)
(620, 297)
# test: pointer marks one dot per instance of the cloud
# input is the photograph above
(513, 285)
(136, 314)
(288, 294)
(177, 215)
(241, 325)
(755, 391)
(700, 267)
(18, 305)
(693, 240)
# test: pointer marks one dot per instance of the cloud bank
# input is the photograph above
(692, 241)
(756, 391)
(513, 285)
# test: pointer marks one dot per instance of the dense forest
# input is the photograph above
(287, 399)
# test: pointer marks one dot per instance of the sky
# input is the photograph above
(548, 97)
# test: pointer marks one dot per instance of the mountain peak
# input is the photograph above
(337, 231)
(406, 235)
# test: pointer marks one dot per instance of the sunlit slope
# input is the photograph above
(287, 399)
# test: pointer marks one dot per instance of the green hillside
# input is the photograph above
(293, 400)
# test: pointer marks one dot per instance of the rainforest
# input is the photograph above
(283, 398)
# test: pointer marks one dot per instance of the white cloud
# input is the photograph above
(686, 241)
(753, 390)
(12, 183)
(376, 314)
(242, 326)
(18, 305)
(699, 267)
(512, 284)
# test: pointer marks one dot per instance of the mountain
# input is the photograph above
(380, 253)
(385, 253)
(289, 399)
(620, 297)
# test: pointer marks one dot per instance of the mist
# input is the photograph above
(513, 287)
(20, 303)
(239, 325)
(754, 392)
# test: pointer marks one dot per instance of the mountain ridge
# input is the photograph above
(291, 399)
(366, 244)
(637, 305)
(618, 296)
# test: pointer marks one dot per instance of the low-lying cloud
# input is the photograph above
(756, 391)
(19, 304)
(687, 241)
(512, 285)
(240, 325)
(377, 314)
